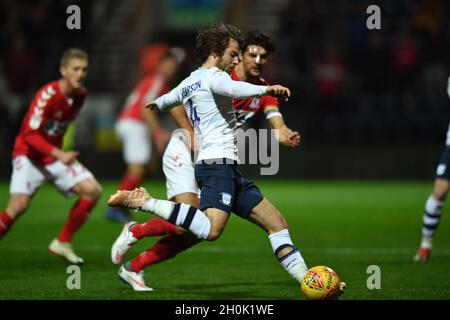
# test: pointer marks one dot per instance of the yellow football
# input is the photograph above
(320, 283)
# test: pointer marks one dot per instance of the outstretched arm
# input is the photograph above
(285, 136)
(166, 101)
(223, 85)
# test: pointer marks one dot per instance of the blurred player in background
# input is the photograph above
(433, 206)
(38, 157)
(137, 127)
(207, 97)
(179, 169)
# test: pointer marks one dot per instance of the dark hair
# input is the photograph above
(214, 38)
(73, 53)
(259, 38)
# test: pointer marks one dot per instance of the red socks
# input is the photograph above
(77, 216)
(5, 222)
(129, 182)
(153, 227)
(166, 248)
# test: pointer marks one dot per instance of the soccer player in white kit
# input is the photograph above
(178, 166)
(433, 206)
(207, 96)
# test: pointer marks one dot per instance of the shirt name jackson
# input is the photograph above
(191, 88)
(226, 309)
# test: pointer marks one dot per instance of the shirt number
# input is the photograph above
(194, 116)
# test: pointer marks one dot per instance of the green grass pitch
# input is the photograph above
(345, 225)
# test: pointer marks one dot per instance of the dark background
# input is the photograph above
(368, 103)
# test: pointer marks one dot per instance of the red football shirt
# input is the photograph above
(248, 107)
(46, 121)
(149, 88)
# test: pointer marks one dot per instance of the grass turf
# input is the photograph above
(345, 225)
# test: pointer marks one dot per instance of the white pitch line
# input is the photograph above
(231, 249)
(344, 250)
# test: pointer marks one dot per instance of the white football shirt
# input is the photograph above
(207, 98)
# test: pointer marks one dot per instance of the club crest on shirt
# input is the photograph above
(226, 198)
(255, 103)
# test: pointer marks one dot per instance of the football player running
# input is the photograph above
(37, 155)
(433, 206)
(137, 127)
(207, 97)
(179, 169)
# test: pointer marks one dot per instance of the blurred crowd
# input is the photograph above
(32, 38)
(355, 85)
(33, 35)
(351, 85)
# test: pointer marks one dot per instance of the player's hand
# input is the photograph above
(288, 138)
(279, 92)
(151, 105)
(68, 157)
(294, 139)
(160, 139)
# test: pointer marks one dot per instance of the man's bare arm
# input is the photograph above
(285, 136)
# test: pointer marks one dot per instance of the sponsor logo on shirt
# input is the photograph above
(55, 128)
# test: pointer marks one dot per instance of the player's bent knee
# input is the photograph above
(17, 207)
(96, 192)
(92, 191)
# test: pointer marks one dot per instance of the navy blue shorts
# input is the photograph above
(443, 168)
(223, 187)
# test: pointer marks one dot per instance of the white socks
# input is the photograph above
(293, 261)
(182, 215)
(162, 208)
(431, 218)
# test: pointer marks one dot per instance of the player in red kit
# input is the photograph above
(137, 127)
(37, 155)
(179, 169)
